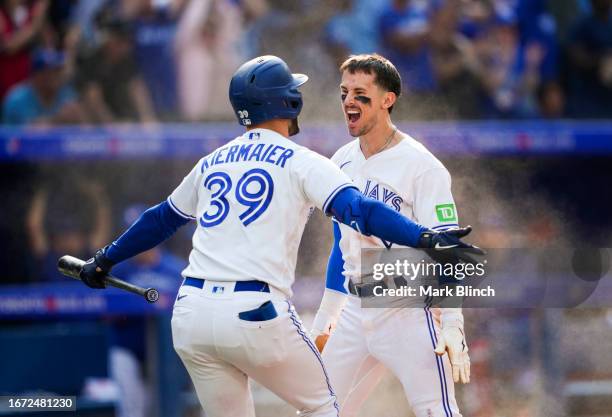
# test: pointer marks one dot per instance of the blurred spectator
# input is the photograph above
(154, 25)
(252, 13)
(537, 26)
(517, 54)
(88, 16)
(301, 27)
(59, 18)
(62, 33)
(512, 70)
(535, 23)
(127, 356)
(590, 64)
(79, 28)
(67, 216)
(208, 54)
(475, 17)
(108, 79)
(354, 30)
(455, 65)
(45, 98)
(20, 23)
(405, 28)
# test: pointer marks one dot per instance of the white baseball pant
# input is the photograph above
(221, 352)
(368, 342)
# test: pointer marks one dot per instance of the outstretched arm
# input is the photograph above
(153, 227)
(372, 217)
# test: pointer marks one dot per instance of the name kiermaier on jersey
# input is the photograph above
(431, 291)
(261, 152)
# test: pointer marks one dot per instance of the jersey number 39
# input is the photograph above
(254, 191)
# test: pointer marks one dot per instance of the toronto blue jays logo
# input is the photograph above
(380, 193)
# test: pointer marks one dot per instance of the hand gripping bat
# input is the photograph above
(71, 267)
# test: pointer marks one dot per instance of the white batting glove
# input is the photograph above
(452, 340)
(327, 317)
(322, 327)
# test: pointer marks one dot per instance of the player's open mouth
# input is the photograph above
(353, 115)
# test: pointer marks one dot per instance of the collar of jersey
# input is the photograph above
(362, 156)
(267, 132)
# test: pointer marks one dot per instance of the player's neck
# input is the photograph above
(280, 126)
(381, 137)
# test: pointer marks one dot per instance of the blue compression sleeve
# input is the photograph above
(153, 227)
(372, 217)
(335, 265)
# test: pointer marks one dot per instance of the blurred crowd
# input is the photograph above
(101, 61)
(104, 61)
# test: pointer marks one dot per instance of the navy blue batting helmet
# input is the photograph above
(264, 89)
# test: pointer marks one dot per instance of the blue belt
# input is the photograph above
(256, 286)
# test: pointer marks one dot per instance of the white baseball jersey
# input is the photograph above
(408, 178)
(251, 199)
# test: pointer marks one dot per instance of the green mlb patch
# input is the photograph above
(446, 213)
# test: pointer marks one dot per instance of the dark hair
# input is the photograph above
(386, 75)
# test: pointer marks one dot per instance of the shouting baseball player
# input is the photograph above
(251, 198)
(368, 342)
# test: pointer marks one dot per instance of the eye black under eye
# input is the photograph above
(343, 96)
(363, 99)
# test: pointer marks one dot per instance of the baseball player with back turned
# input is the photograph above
(251, 198)
(368, 342)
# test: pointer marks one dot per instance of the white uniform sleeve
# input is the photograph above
(319, 179)
(433, 203)
(184, 198)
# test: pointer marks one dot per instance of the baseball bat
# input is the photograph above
(71, 267)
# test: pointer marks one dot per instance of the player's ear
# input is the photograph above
(389, 99)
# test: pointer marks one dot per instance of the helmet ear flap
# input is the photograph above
(292, 103)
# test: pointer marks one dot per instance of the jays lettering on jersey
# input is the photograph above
(406, 177)
(251, 199)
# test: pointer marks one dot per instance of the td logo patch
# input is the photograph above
(446, 213)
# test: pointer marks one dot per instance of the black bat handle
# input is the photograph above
(71, 267)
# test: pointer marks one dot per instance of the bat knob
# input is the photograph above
(151, 295)
(70, 266)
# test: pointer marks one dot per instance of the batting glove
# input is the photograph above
(327, 316)
(322, 327)
(95, 269)
(446, 246)
(452, 340)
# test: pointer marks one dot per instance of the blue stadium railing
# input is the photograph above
(189, 140)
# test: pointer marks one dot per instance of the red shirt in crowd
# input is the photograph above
(14, 67)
